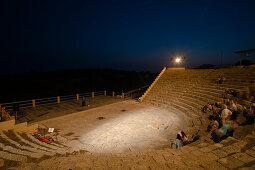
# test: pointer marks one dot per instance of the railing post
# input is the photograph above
(33, 103)
(122, 95)
(58, 99)
(113, 94)
(93, 95)
(105, 93)
(77, 97)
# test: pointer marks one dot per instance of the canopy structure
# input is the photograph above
(246, 53)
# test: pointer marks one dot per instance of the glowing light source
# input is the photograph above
(178, 60)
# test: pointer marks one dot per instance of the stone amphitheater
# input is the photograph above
(172, 103)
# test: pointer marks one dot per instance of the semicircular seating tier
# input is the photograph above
(187, 91)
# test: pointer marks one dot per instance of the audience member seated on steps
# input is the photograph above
(179, 142)
(221, 79)
(219, 134)
(249, 115)
(230, 92)
(226, 94)
(218, 104)
(215, 117)
(186, 140)
(227, 102)
(225, 114)
(214, 124)
(232, 107)
(207, 107)
(234, 93)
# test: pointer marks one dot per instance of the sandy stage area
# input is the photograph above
(119, 127)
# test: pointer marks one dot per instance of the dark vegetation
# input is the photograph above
(205, 66)
(244, 62)
(35, 85)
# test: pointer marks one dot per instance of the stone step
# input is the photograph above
(55, 148)
(20, 151)
(47, 150)
(35, 152)
(12, 157)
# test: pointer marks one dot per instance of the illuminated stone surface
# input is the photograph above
(140, 127)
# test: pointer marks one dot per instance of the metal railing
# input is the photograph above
(15, 106)
(136, 92)
(49, 100)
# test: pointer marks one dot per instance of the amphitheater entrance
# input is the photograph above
(120, 127)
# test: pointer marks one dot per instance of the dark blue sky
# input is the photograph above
(131, 35)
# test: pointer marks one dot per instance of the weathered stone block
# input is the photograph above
(231, 162)
(32, 128)
(240, 144)
(251, 152)
(246, 168)
(208, 157)
(197, 153)
(7, 125)
(231, 149)
(21, 127)
(220, 153)
(202, 145)
(1, 163)
(243, 157)
(212, 165)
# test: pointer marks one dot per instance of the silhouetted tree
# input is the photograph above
(205, 66)
(244, 62)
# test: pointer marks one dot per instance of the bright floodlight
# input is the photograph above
(178, 59)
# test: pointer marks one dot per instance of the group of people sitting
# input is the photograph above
(223, 118)
(230, 92)
(221, 79)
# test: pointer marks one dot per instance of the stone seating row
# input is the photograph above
(193, 94)
(192, 122)
(20, 147)
(188, 91)
(231, 153)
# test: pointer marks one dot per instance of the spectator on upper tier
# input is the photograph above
(234, 92)
(221, 79)
(249, 115)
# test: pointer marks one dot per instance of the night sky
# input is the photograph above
(120, 34)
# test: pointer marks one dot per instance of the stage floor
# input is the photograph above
(119, 127)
